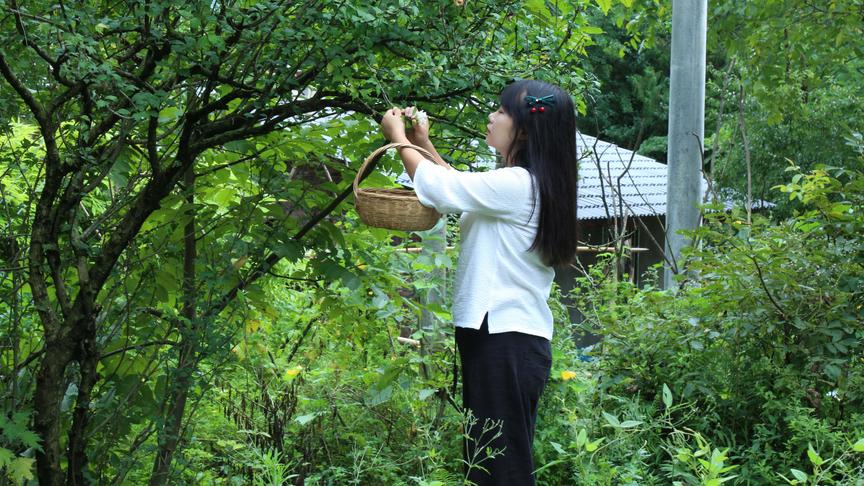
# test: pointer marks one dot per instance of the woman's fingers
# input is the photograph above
(392, 113)
(392, 126)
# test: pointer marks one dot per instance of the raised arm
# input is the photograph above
(393, 128)
(418, 133)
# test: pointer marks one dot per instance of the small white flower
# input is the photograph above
(421, 118)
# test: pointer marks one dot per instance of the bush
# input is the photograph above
(764, 339)
(751, 373)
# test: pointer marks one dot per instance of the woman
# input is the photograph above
(517, 223)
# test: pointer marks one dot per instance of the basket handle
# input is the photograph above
(374, 156)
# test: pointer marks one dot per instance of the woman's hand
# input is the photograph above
(418, 134)
(393, 126)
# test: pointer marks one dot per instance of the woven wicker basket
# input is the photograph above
(397, 209)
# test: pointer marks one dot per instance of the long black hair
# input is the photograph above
(545, 145)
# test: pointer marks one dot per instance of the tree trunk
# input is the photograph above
(87, 360)
(49, 392)
(169, 436)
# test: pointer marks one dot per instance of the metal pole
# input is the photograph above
(686, 127)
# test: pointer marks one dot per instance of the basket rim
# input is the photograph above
(377, 154)
(385, 193)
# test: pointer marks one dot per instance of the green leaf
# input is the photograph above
(536, 6)
(667, 396)
(16, 430)
(592, 446)
(6, 457)
(168, 114)
(604, 5)
(376, 396)
(557, 447)
(21, 469)
(165, 279)
(288, 249)
(391, 373)
(814, 456)
(613, 420)
(222, 197)
(858, 446)
(305, 419)
(833, 371)
(629, 424)
(333, 271)
(799, 475)
(581, 438)
(382, 390)
(426, 393)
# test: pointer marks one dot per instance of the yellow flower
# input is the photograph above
(568, 375)
(292, 372)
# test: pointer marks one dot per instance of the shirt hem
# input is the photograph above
(510, 328)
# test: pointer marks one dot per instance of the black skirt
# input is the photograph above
(503, 376)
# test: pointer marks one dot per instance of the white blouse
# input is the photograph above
(496, 273)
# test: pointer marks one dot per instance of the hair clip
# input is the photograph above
(537, 104)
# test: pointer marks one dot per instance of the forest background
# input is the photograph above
(187, 296)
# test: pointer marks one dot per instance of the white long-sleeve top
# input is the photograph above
(496, 273)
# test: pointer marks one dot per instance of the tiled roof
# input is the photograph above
(628, 183)
(615, 181)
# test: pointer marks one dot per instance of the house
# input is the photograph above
(622, 198)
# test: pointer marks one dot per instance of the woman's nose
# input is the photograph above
(490, 117)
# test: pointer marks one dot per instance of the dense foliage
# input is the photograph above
(173, 172)
(782, 89)
(761, 349)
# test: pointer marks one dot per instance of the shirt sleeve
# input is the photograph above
(501, 192)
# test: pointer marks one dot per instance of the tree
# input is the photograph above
(787, 65)
(627, 102)
(788, 68)
(181, 151)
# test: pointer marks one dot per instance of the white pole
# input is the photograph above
(686, 127)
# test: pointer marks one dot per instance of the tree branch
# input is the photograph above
(783, 314)
(24, 93)
(154, 55)
(264, 267)
(53, 63)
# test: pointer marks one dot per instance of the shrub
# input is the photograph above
(765, 335)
